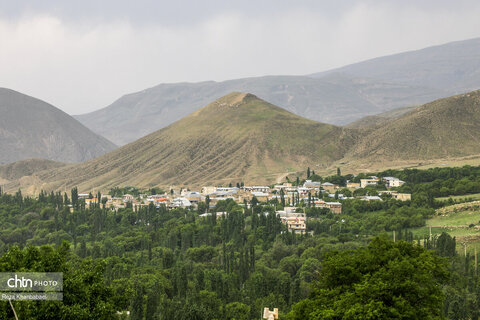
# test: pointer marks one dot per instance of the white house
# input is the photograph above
(393, 182)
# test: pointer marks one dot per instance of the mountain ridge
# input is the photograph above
(32, 128)
(337, 99)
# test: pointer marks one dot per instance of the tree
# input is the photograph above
(85, 293)
(237, 311)
(308, 172)
(207, 202)
(385, 280)
(339, 172)
(282, 197)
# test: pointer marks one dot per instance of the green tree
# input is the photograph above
(385, 280)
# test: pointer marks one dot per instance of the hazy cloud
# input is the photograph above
(81, 58)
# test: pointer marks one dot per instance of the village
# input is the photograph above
(291, 197)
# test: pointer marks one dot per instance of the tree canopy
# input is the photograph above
(384, 280)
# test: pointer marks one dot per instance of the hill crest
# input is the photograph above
(238, 137)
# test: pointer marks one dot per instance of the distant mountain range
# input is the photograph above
(337, 96)
(240, 137)
(453, 67)
(31, 128)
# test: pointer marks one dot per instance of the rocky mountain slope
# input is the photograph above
(31, 128)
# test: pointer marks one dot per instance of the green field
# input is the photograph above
(457, 225)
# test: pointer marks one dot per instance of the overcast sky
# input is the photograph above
(82, 55)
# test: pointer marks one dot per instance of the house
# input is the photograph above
(227, 189)
(311, 184)
(89, 202)
(284, 186)
(353, 185)
(208, 190)
(368, 182)
(261, 196)
(257, 189)
(391, 182)
(372, 198)
(335, 207)
(402, 196)
(218, 214)
(289, 212)
(296, 224)
(194, 197)
(303, 190)
(180, 203)
(115, 202)
(329, 186)
(127, 198)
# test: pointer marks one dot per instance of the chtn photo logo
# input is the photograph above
(16, 282)
(31, 286)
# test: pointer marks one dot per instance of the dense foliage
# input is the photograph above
(385, 280)
(161, 263)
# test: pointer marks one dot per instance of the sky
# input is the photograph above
(81, 56)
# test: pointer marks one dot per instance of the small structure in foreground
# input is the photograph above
(270, 315)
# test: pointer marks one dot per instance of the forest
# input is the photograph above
(161, 263)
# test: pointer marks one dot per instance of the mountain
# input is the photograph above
(31, 128)
(380, 119)
(453, 67)
(238, 137)
(336, 98)
(444, 128)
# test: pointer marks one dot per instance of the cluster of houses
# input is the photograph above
(286, 193)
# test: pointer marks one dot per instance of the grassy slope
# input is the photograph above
(441, 129)
(378, 120)
(236, 138)
(456, 221)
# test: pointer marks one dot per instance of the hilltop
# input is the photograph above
(31, 128)
(236, 138)
(337, 99)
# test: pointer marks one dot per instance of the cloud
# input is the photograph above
(82, 65)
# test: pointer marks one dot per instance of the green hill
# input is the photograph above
(444, 128)
(375, 121)
(236, 138)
